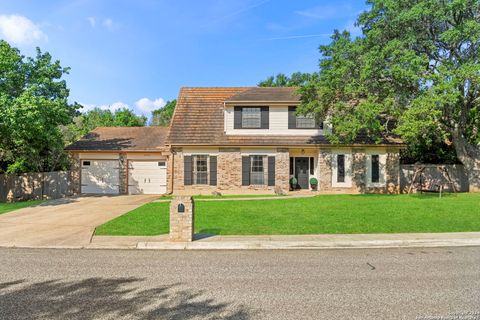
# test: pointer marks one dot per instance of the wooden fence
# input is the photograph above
(29, 186)
(432, 176)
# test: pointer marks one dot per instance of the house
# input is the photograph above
(234, 140)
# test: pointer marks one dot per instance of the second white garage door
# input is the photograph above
(147, 177)
(100, 176)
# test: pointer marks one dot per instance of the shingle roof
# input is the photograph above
(122, 139)
(199, 120)
(270, 94)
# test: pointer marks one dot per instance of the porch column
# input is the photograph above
(282, 170)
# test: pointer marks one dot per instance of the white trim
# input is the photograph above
(348, 170)
(383, 163)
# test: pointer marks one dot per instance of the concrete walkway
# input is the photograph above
(68, 222)
(328, 241)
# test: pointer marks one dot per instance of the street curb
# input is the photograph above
(305, 245)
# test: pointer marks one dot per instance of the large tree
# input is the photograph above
(162, 116)
(282, 80)
(417, 65)
(33, 104)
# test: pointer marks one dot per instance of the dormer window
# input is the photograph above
(251, 117)
(301, 121)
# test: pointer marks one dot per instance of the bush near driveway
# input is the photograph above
(325, 214)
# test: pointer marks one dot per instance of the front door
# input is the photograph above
(301, 172)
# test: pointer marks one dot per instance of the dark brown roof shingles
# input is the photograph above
(122, 139)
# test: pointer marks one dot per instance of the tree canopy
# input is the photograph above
(282, 80)
(33, 104)
(162, 116)
(417, 65)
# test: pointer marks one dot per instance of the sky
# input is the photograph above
(139, 53)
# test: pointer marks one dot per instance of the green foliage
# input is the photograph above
(162, 116)
(86, 122)
(33, 104)
(293, 181)
(314, 181)
(281, 80)
(416, 65)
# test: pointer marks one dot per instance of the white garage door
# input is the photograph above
(100, 176)
(147, 177)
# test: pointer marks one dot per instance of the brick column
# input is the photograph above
(229, 169)
(75, 174)
(324, 170)
(123, 179)
(282, 171)
(181, 223)
(393, 171)
(359, 173)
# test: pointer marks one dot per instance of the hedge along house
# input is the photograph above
(249, 140)
(122, 160)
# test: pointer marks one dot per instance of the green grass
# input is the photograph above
(325, 214)
(7, 207)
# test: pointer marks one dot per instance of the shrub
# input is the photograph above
(313, 181)
(293, 181)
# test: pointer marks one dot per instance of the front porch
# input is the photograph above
(303, 167)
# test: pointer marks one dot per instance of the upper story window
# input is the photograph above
(301, 121)
(305, 122)
(251, 117)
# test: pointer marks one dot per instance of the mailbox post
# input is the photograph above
(181, 219)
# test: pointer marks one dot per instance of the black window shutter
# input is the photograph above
(312, 165)
(292, 119)
(271, 171)
(213, 170)
(264, 118)
(245, 171)
(375, 168)
(291, 165)
(237, 118)
(187, 170)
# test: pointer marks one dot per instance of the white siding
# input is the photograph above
(278, 124)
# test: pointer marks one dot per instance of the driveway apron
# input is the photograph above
(68, 222)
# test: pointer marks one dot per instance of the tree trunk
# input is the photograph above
(469, 155)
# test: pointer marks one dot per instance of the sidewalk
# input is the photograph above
(328, 241)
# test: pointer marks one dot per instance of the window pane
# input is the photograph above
(375, 168)
(200, 173)
(341, 168)
(257, 174)
(312, 165)
(305, 122)
(291, 166)
(251, 118)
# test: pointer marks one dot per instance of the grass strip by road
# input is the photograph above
(7, 207)
(325, 214)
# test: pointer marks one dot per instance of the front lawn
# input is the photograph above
(317, 215)
(7, 207)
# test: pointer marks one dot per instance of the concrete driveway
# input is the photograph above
(68, 222)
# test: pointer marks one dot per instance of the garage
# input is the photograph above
(147, 177)
(99, 176)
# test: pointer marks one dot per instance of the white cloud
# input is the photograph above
(147, 105)
(92, 21)
(112, 107)
(108, 23)
(20, 30)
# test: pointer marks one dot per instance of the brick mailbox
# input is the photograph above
(181, 219)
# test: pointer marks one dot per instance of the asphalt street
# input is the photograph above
(430, 283)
